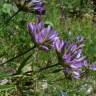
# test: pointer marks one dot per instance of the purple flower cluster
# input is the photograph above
(34, 6)
(70, 57)
(43, 37)
(69, 54)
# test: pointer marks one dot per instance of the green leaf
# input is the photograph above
(6, 87)
(49, 23)
(4, 75)
(23, 64)
(7, 8)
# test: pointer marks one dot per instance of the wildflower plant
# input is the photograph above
(69, 54)
(33, 6)
(71, 58)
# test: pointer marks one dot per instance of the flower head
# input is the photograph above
(70, 56)
(74, 59)
(43, 37)
(34, 6)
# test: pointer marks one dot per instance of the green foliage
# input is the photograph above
(7, 9)
(23, 64)
(14, 39)
(6, 87)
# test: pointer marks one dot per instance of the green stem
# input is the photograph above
(12, 16)
(43, 68)
(47, 67)
(21, 54)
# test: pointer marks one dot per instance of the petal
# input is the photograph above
(76, 74)
(67, 58)
(59, 45)
(40, 26)
(39, 39)
(92, 67)
(78, 53)
(32, 30)
(53, 37)
(44, 33)
(44, 48)
(79, 59)
(77, 64)
(72, 47)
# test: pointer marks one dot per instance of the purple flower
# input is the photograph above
(70, 57)
(73, 59)
(38, 7)
(34, 6)
(73, 56)
(59, 45)
(43, 37)
(92, 67)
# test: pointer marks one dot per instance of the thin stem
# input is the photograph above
(5, 24)
(47, 67)
(40, 70)
(43, 68)
(21, 54)
(13, 16)
(56, 70)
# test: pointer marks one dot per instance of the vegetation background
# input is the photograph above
(78, 19)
